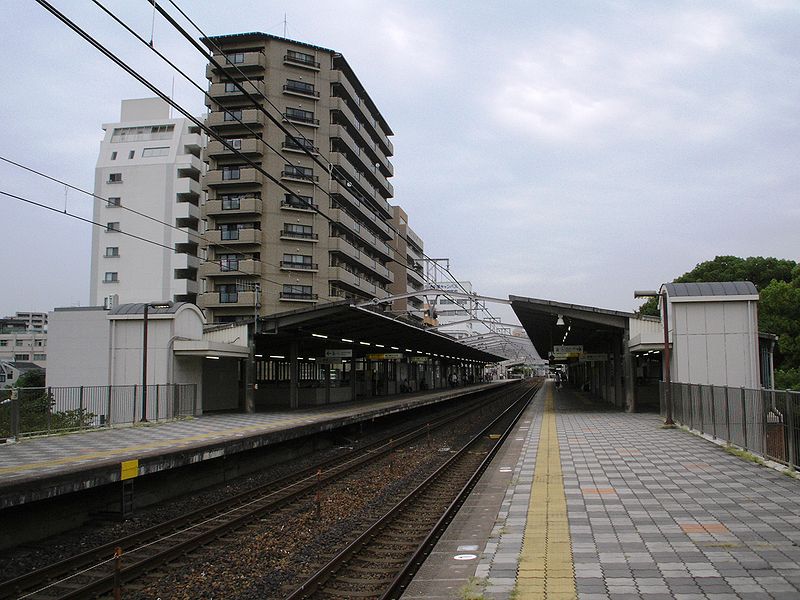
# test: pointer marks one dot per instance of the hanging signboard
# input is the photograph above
(564, 352)
(385, 356)
(419, 359)
(339, 353)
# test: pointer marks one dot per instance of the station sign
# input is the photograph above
(339, 353)
(419, 359)
(385, 356)
(564, 352)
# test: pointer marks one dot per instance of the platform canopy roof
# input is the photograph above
(371, 332)
(589, 326)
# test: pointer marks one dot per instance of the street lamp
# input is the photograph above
(667, 378)
(147, 307)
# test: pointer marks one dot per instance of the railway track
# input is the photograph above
(97, 572)
(381, 562)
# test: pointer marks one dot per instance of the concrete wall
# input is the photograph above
(715, 342)
(78, 351)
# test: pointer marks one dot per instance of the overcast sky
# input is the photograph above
(571, 151)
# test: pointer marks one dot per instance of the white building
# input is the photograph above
(23, 338)
(148, 164)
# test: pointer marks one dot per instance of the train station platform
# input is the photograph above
(590, 503)
(39, 468)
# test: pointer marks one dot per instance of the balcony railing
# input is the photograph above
(299, 175)
(303, 91)
(299, 205)
(297, 296)
(301, 60)
(287, 264)
(300, 119)
(300, 146)
(299, 235)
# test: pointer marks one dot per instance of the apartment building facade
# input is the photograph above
(408, 269)
(23, 338)
(149, 164)
(316, 228)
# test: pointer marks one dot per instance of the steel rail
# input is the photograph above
(271, 496)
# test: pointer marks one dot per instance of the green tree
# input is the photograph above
(778, 283)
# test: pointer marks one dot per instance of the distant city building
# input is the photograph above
(273, 250)
(150, 164)
(454, 315)
(23, 338)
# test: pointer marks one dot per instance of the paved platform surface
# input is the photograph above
(45, 467)
(652, 513)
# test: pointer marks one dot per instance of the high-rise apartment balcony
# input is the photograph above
(376, 224)
(351, 280)
(296, 203)
(363, 166)
(230, 268)
(299, 236)
(224, 121)
(415, 275)
(300, 145)
(360, 184)
(298, 296)
(227, 300)
(307, 267)
(362, 232)
(298, 118)
(247, 146)
(300, 88)
(188, 190)
(348, 251)
(343, 88)
(241, 176)
(299, 174)
(300, 59)
(368, 156)
(246, 205)
(247, 62)
(222, 92)
(220, 237)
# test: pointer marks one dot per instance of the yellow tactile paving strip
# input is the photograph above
(545, 566)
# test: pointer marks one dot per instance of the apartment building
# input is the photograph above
(23, 338)
(317, 227)
(408, 269)
(149, 164)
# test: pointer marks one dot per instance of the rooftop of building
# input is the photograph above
(339, 60)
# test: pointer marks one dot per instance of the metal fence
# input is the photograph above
(42, 411)
(765, 422)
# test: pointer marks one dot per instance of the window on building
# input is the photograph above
(112, 251)
(230, 231)
(3, 342)
(301, 261)
(298, 172)
(40, 357)
(113, 202)
(297, 230)
(228, 262)
(142, 134)
(111, 277)
(297, 142)
(234, 58)
(22, 357)
(231, 172)
(151, 152)
(18, 342)
(233, 115)
(231, 87)
(231, 201)
(115, 178)
(112, 226)
(296, 291)
(301, 57)
(235, 143)
(298, 114)
(131, 154)
(113, 156)
(39, 343)
(293, 85)
(298, 201)
(228, 293)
